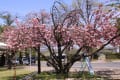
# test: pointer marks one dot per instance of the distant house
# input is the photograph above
(109, 49)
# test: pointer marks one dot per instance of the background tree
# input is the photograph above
(42, 18)
(7, 18)
(27, 35)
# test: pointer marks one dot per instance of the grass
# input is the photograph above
(6, 74)
(21, 71)
(71, 75)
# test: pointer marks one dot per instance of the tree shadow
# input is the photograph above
(106, 74)
(5, 68)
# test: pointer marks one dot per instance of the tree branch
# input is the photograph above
(103, 45)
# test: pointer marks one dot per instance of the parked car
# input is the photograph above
(16, 61)
(25, 61)
(33, 60)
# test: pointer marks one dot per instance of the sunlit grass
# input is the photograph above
(6, 74)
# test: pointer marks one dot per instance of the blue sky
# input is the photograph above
(22, 7)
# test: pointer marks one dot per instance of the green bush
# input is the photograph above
(112, 56)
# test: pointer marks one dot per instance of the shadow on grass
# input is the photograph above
(6, 74)
(106, 74)
(74, 75)
(3, 69)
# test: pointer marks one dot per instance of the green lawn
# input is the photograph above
(22, 71)
(6, 74)
(71, 76)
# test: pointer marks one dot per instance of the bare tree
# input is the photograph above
(7, 17)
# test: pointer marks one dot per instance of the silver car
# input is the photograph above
(25, 61)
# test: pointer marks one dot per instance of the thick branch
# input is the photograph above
(103, 45)
(53, 64)
(54, 59)
(73, 59)
(66, 46)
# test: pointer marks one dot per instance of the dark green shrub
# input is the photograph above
(112, 56)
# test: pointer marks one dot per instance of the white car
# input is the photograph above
(25, 61)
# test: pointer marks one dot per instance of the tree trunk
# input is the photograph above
(9, 62)
(39, 63)
(60, 64)
(20, 58)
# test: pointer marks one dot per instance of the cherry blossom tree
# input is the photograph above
(27, 34)
(36, 19)
(69, 28)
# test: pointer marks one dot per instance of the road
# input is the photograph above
(97, 66)
(101, 65)
(94, 64)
